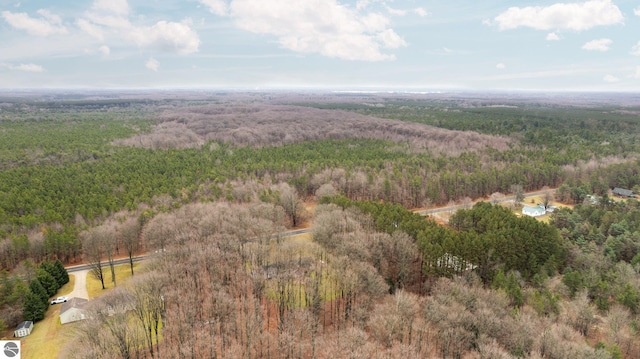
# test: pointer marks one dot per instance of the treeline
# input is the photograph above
(28, 298)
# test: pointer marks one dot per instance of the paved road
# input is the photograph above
(86, 267)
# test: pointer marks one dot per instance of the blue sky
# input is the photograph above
(334, 44)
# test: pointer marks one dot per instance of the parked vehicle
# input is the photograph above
(59, 300)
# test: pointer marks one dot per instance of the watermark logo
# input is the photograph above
(10, 349)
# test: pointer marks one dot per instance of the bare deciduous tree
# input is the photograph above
(288, 199)
(148, 306)
(518, 193)
(496, 197)
(130, 232)
(94, 250)
(547, 199)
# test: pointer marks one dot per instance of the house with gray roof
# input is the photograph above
(73, 310)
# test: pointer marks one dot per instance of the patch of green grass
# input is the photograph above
(94, 288)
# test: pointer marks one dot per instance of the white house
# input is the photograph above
(23, 329)
(533, 211)
(73, 310)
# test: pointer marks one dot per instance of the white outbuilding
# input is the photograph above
(23, 329)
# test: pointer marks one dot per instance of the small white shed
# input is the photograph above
(73, 310)
(23, 329)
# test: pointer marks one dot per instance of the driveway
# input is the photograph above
(80, 287)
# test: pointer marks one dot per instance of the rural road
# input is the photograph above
(426, 212)
(105, 264)
(81, 271)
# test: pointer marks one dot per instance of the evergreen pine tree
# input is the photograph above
(63, 274)
(33, 307)
(36, 288)
(48, 282)
(514, 291)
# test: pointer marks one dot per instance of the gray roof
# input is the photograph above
(25, 324)
(74, 302)
(622, 192)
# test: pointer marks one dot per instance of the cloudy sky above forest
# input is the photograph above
(335, 44)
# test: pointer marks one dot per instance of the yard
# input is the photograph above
(123, 272)
(47, 338)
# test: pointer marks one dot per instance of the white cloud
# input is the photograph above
(396, 12)
(218, 7)
(152, 64)
(362, 4)
(572, 16)
(637, 74)
(117, 7)
(637, 11)
(23, 67)
(49, 24)
(390, 39)
(420, 12)
(501, 66)
(610, 79)
(52, 18)
(552, 36)
(598, 45)
(109, 19)
(91, 29)
(104, 50)
(167, 36)
(635, 50)
(325, 27)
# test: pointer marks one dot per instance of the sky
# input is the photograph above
(405, 45)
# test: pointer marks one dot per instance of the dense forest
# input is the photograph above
(209, 182)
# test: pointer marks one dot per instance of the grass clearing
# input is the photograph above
(94, 288)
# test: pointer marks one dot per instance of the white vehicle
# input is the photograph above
(59, 300)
